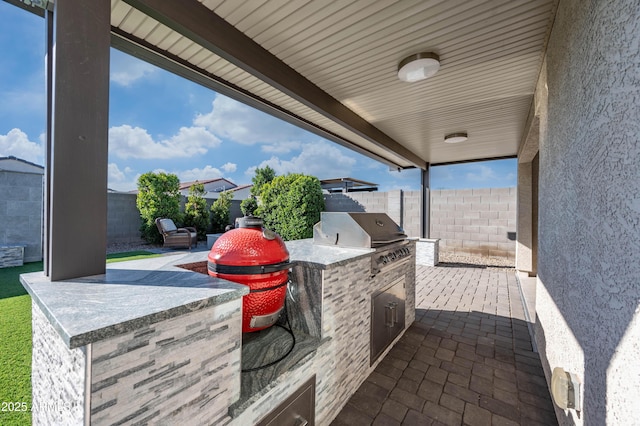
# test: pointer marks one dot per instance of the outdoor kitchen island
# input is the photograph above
(150, 342)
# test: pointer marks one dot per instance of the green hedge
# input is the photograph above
(290, 205)
(158, 196)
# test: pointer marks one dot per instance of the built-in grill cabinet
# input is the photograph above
(387, 317)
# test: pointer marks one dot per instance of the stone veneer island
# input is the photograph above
(151, 342)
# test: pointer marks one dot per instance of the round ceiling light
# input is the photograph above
(418, 66)
(456, 137)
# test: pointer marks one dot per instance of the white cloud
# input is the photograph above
(125, 69)
(207, 172)
(134, 142)
(318, 159)
(121, 180)
(114, 173)
(281, 147)
(483, 173)
(240, 123)
(17, 143)
(251, 171)
(229, 167)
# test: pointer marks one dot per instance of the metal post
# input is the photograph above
(77, 152)
(425, 214)
(48, 15)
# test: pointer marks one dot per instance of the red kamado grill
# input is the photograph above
(258, 258)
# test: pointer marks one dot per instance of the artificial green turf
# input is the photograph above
(15, 338)
(130, 255)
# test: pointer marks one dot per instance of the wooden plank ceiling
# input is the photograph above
(490, 52)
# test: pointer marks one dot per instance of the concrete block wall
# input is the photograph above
(411, 206)
(123, 218)
(468, 221)
(475, 221)
(21, 201)
(372, 202)
(401, 206)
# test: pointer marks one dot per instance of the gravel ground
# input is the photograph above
(124, 247)
(468, 259)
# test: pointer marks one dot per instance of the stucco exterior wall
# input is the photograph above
(589, 208)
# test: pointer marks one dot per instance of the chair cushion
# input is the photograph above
(168, 226)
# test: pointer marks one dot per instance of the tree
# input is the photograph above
(221, 211)
(248, 206)
(291, 205)
(196, 213)
(158, 196)
(262, 176)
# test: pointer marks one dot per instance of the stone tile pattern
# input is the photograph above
(185, 370)
(11, 256)
(467, 360)
(21, 196)
(474, 221)
(427, 252)
(344, 365)
(57, 376)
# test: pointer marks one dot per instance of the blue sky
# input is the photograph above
(159, 121)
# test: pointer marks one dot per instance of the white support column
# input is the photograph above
(76, 189)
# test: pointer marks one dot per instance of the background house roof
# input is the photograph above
(217, 184)
(347, 184)
(14, 164)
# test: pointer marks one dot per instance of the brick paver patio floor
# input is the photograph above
(466, 360)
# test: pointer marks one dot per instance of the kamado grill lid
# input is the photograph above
(248, 249)
(354, 229)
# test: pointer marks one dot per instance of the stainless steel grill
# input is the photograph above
(360, 230)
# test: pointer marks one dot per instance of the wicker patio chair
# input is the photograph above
(176, 237)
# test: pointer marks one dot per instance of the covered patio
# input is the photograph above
(552, 82)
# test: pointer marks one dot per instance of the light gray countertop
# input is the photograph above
(136, 293)
(128, 296)
(323, 256)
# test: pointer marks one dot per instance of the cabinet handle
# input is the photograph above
(391, 314)
(300, 421)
